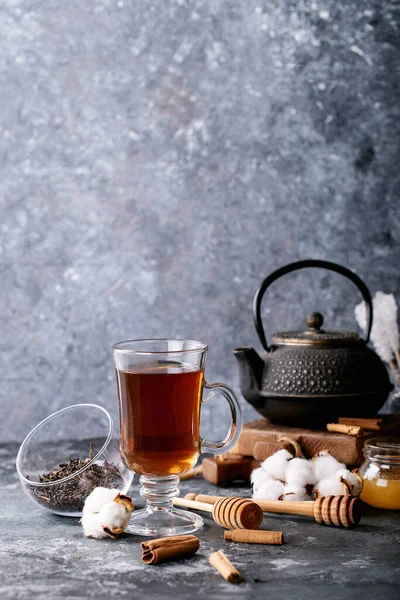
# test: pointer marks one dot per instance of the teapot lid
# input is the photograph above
(315, 336)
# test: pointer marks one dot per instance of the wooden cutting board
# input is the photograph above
(345, 448)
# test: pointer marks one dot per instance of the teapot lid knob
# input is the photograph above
(315, 320)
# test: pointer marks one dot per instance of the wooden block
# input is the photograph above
(229, 469)
(345, 448)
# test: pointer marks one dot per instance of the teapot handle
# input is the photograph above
(304, 264)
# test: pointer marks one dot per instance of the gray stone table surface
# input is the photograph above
(46, 556)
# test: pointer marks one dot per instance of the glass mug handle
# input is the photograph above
(236, 415)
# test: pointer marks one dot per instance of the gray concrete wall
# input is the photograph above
(158, 159)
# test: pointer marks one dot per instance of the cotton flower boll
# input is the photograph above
(92, 527)
(295, 492)
(114, 518)
(353, 481)
(330, 486)
(269, 490)
(258, 477)
(326, 465)
(98, 498)
(300, 472)
(276, 464)
(110, 521)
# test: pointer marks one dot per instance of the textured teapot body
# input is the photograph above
(321, 372)
(313, 386)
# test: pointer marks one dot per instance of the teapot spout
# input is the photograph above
(250, 374)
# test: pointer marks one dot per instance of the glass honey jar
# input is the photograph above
(380, 472)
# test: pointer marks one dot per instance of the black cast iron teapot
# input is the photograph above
(312, 377)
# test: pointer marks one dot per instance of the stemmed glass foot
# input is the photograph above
(160, 517)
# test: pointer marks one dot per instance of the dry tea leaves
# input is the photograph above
(70, 495)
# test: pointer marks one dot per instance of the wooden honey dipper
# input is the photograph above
(229, 512)
(342, 511)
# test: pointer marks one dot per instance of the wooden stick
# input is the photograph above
(251, 536)
(191, 473)
(342, 511)
(347, 429)
(221, 562)
(304, 507)
(190, 496)
(204, 498)
(196, 504)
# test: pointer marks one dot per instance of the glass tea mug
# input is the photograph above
(160, 389)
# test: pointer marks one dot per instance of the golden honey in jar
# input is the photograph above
(380, 472)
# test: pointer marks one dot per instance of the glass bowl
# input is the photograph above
(78, 445)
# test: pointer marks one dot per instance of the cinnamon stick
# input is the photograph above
(221, 562)
(251, 536)
(367, 424)
(347, 429)
(169, 548)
